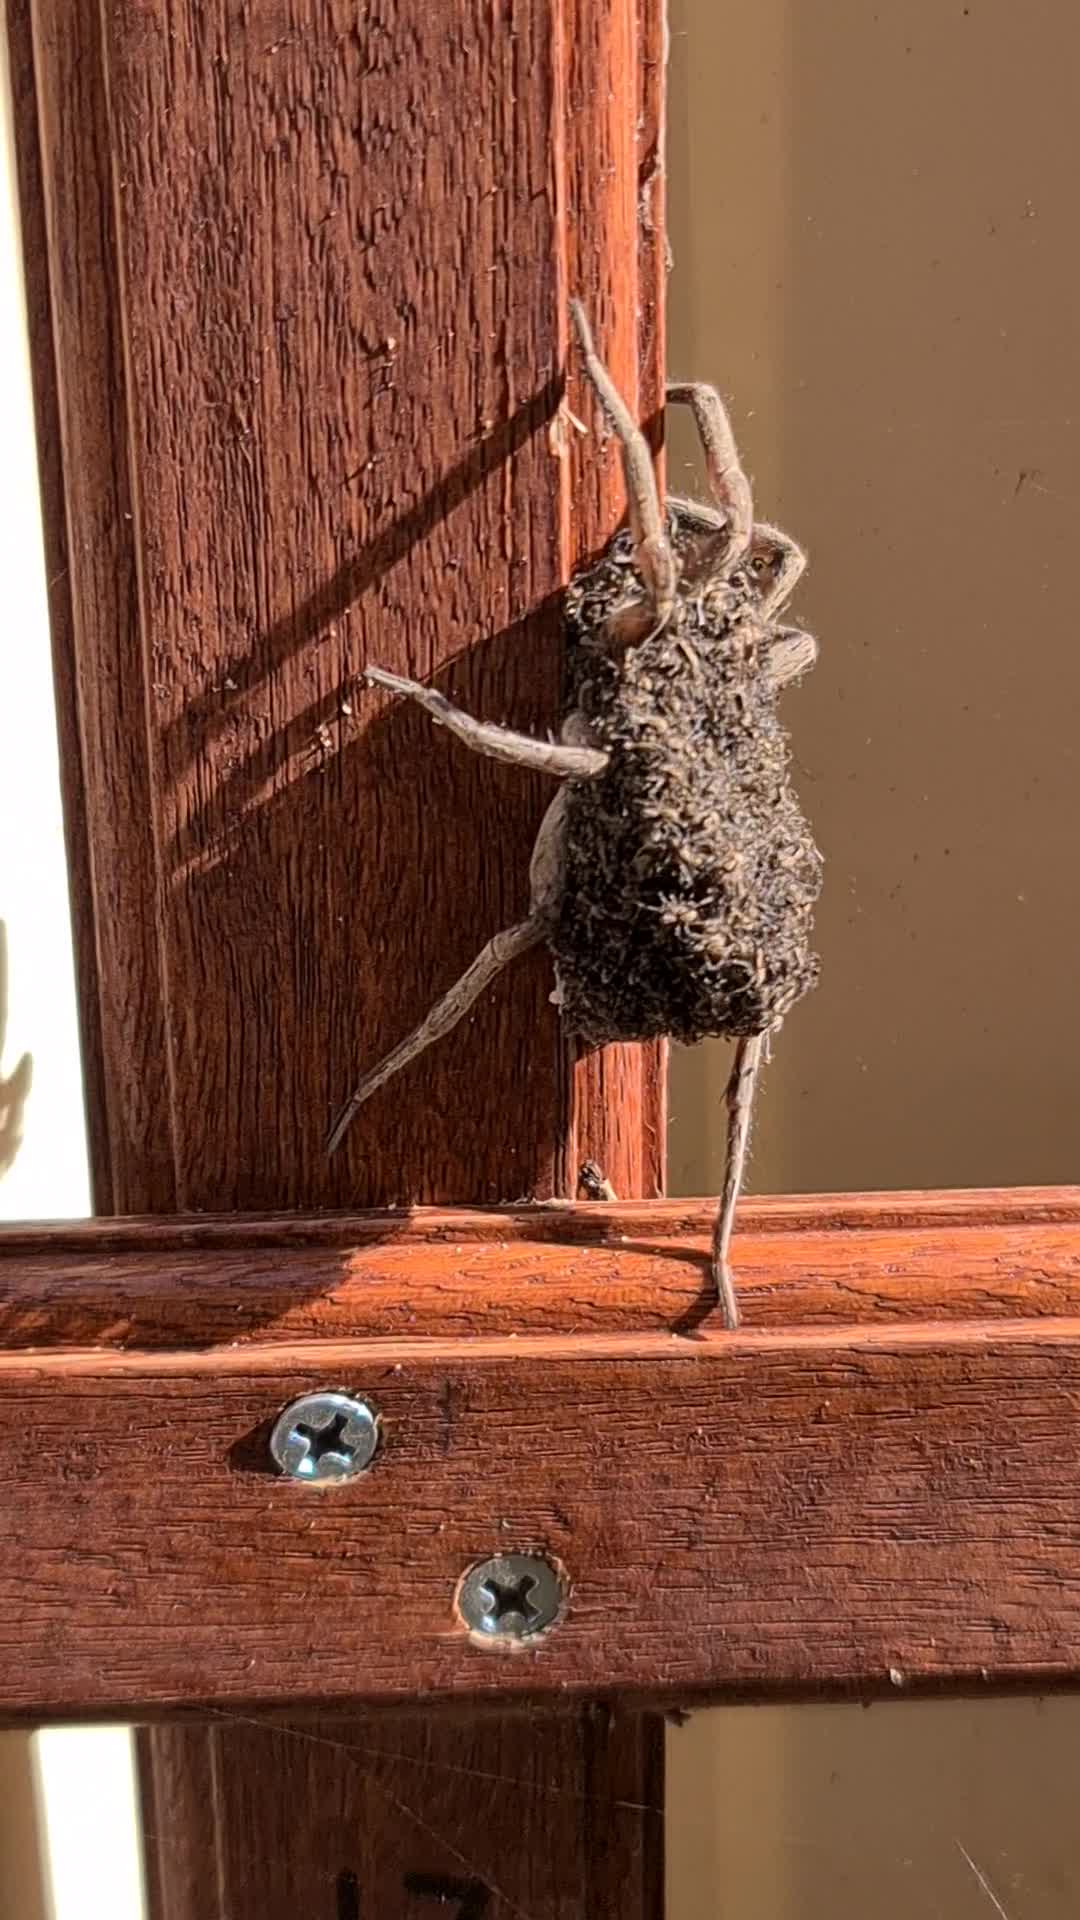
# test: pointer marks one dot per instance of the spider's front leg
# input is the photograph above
(653, 555)
(728, 484)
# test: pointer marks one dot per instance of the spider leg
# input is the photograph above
(728, 484)
(499, 743)
(789, 653)
(740, 1101)
(545, 888)
(707, 530)
(788, 563)
(547, 862)
(444, 1015)
(652, 550)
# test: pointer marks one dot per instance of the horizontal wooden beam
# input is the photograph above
(875, 1484)
(199, 1280)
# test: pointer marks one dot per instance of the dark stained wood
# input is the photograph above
(299, 371)
(325, 292)
(439, 1805)
(875, 1484)
(902, 1498)
(73, 313)
(197, 1283)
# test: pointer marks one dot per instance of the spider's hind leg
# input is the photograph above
(740, 1101)
(443, 1016)
(545, 887)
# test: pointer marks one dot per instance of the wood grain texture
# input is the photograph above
(877, 1475)
(440, 1801)
(812, 1508)
(314, 277)
(73, 312)
(308, 272)
(194, 1284)
(612, 165)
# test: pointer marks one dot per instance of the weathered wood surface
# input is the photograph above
(305, 377)
(829, 1260)
(299, 353)
(373, 1813)
(534, 1816)
(880, 1478)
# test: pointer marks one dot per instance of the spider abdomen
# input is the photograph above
(690, 873)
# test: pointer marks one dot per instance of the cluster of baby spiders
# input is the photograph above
(673, 876)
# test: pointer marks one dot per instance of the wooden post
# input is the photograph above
(300, 350)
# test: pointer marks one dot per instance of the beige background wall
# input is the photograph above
(874, 227)
(874, 219)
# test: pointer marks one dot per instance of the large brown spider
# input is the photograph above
(673, 877)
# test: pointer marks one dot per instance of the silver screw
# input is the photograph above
(514, 1596)
(325, 1436)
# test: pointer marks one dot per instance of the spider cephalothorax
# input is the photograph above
(674, 877)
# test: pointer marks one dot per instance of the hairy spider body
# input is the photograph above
(690, 874)
(673, 876)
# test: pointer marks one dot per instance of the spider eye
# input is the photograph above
(759, 565)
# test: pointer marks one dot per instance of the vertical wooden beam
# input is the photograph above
(613, 56)
(300, 359)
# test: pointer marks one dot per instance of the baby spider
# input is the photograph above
(673, 877)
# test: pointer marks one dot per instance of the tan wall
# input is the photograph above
(905, 1811)
(874, 226)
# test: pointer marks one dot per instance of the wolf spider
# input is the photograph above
(673, 876)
